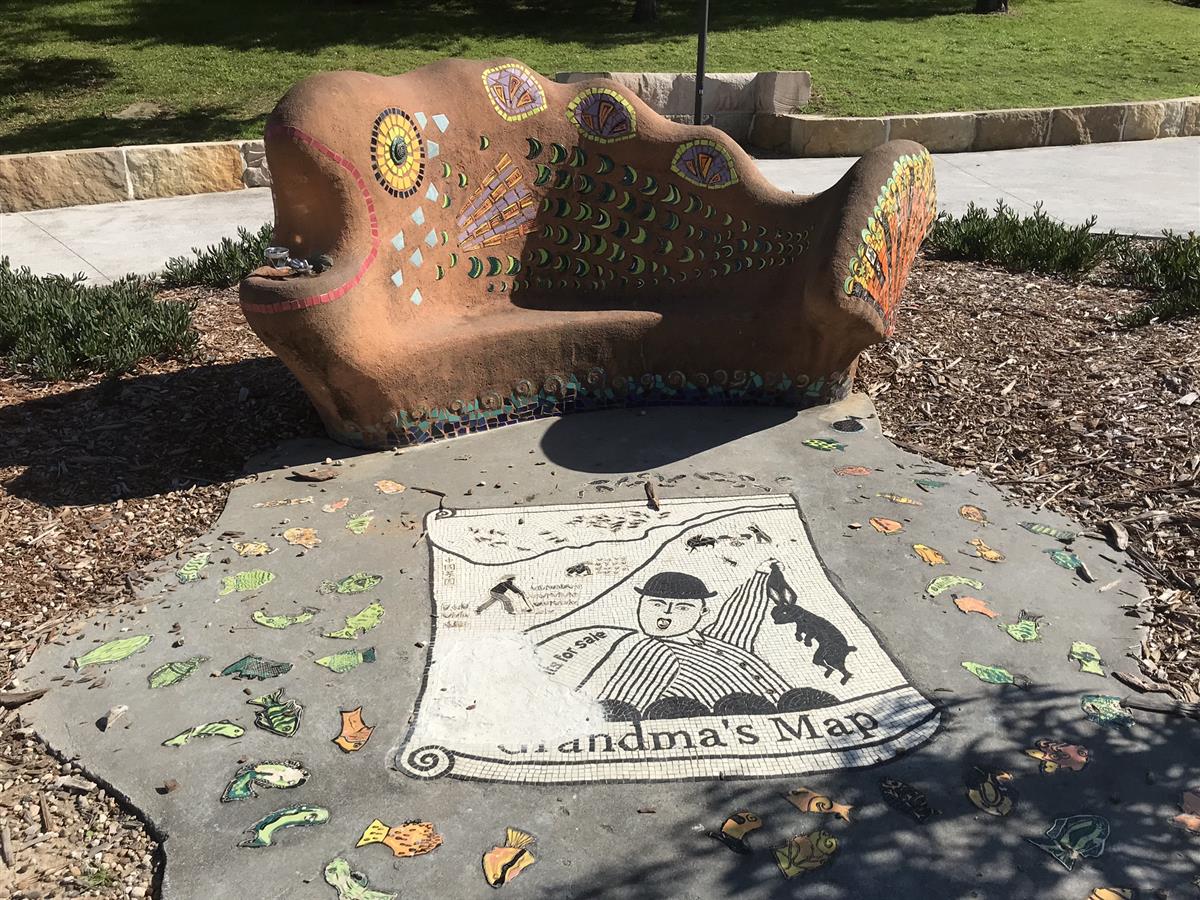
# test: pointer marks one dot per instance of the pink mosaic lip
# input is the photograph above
(361, 183)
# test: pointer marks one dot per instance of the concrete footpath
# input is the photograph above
(493, 659)
(1137, 187)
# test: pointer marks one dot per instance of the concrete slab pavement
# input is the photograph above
(475, 732)
(1138, 187)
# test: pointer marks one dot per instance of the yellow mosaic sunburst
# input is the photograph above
(397, 153)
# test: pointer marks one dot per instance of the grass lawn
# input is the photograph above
(215, 68)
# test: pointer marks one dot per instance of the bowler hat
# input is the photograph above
(675, 586)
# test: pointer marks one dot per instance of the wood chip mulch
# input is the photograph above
(1028, 380)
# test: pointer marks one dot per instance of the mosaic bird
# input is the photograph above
(174, 672)
(990, 790)
(277, 715)
(735, 831)
(413, 838)
(906, 799)
(505, 862)
(1073, 838)
(805, 853)
(1026, 628)
(1055, 755)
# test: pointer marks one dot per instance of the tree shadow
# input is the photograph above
(149, 434)
(204, 123)
(55, 74)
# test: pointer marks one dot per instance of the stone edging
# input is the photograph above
(995, 129)
(109, 174)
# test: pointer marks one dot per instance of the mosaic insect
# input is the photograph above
(174, 672)
(281, 775)
(351, 885)
(224, 728)
(1088, 658)
(281, 621)
(990, 790)
(413, 838)
(346, 660)
(996, 675)
(360, 623)
(506, 861)
(264, 831)
(906, 799)
(251, 580)
(812, 802)
(1055, 755)
(1026, 628)
(255, 667)
(112, 651)
(735, 831)
(355, 732)
(277, 715)
(1105, 710)
(357, 583)
(943, 583)
(1073, 838)
(190, 570)
(805, 853)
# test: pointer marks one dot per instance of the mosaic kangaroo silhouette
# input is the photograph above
(469, 245)
(832, 646)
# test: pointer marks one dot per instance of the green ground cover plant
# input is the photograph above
(219, 265)
(72, 72)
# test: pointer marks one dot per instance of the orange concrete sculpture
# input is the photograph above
(470, 245)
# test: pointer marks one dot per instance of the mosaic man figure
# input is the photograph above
(499, 594)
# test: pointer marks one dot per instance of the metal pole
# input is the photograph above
(701, 50)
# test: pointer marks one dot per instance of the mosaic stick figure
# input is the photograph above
(499, 594)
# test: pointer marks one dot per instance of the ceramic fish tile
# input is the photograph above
(812, 802)
(805, 853)
(357, 583)
(852, 471)
(1050, 531)
(251, 666)
(282, 775)
(359, 524)
(336, 505)
(973, 514)
(823, 444)
(943, 583)
(1088, 658)
(1026, 628)
(264, 831)
(906, 799)
(355, 732)
(1073, 838)
(413, 838)
(224, 728)
(112, 651)
(250, 580)
(351, 885)
(975, 605)
(904, 501)
(983, 551)
(387, 486)
(302, 537)
(190, 570)
(996, 675)
(284, 621)
(277, 715)
(929, 555)
(275, 504)
(174, 672)
(886, 526)
(1055, 755)
(735, 830)
(1105, 710)
(1064, 558)
(251, 548)
(505, 862)
(1189, 818)
(991, 790)
(928, 484)
(347, 660)
(361, 622)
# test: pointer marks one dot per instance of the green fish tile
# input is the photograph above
(943, 583)
(361, 622)
(351, 584)
(113, 651)
(250, 580)
(996, 675)
(1088, 658)
(280, 775)
(190, 570)
(174, 672)
(1050, 531)
(224, 728)
(284, 621)
(1104, 709)
(347, 660)
(277, 715)
(1026, 628)
(255, 667)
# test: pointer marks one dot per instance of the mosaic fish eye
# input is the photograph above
(602, 115)
(704, 163)
(397, 153)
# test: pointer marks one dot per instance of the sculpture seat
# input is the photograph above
(488, 247)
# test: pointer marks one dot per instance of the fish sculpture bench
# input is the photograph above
(469, 245)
